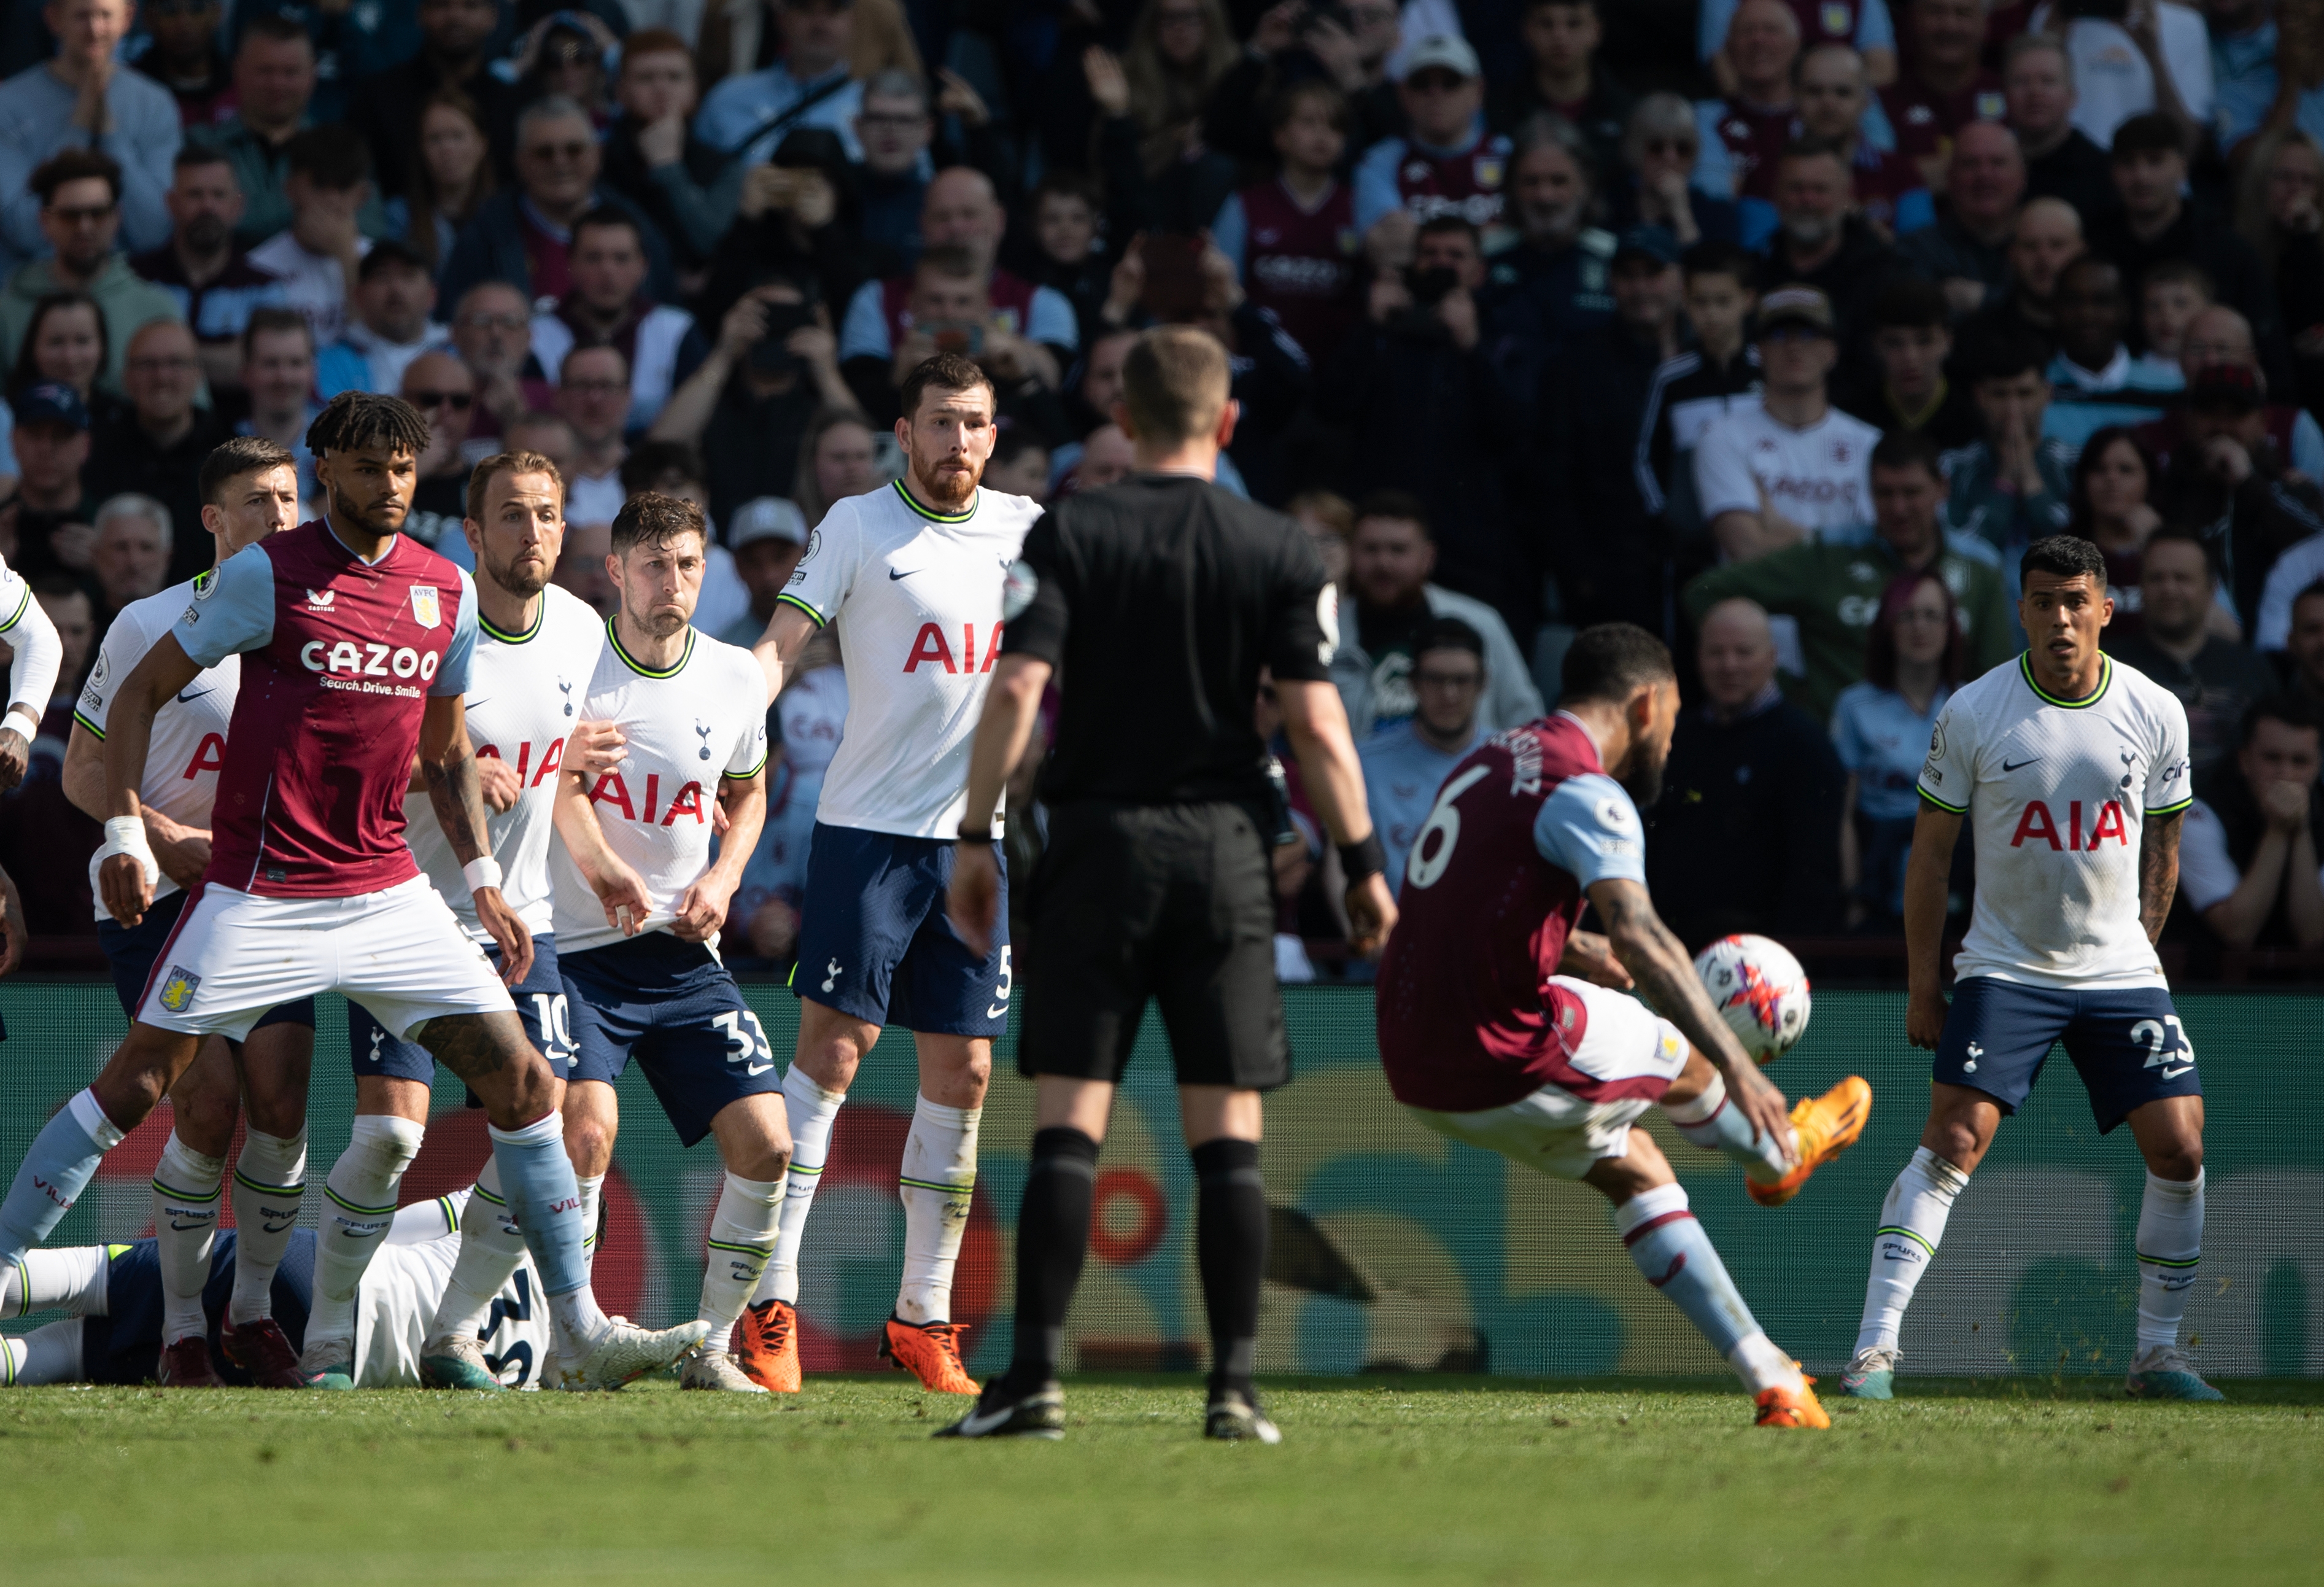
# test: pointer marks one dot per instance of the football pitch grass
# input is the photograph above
(1379, 1478)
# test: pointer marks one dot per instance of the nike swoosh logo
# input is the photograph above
(2169, 1074)
(996, 1010)
(977, 1423)
(907, 573)
(472, 703)
(193, 695)
(2011, 766)
(759, 1068)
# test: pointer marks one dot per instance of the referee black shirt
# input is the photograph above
(1157, 601)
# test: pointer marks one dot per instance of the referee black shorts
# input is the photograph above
(1172, 902)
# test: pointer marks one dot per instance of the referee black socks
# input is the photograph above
(1230, 1251)
(1052, 1226)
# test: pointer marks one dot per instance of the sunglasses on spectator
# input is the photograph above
(576, 150)
(458, 401)
(1669, 146)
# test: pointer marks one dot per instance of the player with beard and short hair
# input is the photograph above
(917, 570)
(355, 643)
(1491, 1036)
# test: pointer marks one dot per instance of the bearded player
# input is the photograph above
(355, 643)
(2074, 769)
(916, 570)
(1487, 1042)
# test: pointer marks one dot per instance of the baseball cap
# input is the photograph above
(1444, 52)
(767, 518)
(1655, 241)
(52, 403)
(1796, 305)
(2220, 385)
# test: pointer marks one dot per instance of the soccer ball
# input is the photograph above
(1759, 990)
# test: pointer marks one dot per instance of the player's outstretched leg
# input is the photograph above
(64, 1156)
(360, 1199)
(1053, 1225)
(1911, 1221)
(937, 1181)
(1825, 1127)
(72, 1280)
(490, 1246)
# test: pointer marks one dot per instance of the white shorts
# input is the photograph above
(1562, 1134)
(399, 953)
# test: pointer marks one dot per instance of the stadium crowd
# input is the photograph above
(1778, 326)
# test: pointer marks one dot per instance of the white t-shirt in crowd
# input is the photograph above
(525, 695)
(685, 728)
(921, 597)
(2294, 571)
(312, 283)
(2112, 81)
(1818, 477)
(2058, 794)
(189, 742)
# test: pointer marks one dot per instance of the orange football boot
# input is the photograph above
(1828, 1125)
(930, 1351)
(768, 1355)
(1791, 1407)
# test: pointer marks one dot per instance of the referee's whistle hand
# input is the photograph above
(973, 903)
(1371, 915)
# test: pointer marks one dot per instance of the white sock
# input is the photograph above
(48, 1354)
(66, 1278)
(741, 1238)
(2170, 1248)
(592, 1191)
(1710, 1122)
(1911, 1223)
(188, 1188)
(936, 1182)
(362, 1189)
(490, 1246)
(270, 1182)
(1762, 1366)
(811, 1111)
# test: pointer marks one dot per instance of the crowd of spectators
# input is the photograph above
(1778, 327)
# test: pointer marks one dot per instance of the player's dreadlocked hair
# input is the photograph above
(354, 420)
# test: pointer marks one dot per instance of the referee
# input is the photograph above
(1158, 602)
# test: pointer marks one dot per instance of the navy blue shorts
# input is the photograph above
(131, 950)
(125, 1346)
(2126, 1044)
(676, 1008)
(875, 944)
(540, 1003)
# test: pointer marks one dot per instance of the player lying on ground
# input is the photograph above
(119, 1300)
(250, 490)
(2074, 769)
(1486, 1042)
(355, 642)
(914, 568)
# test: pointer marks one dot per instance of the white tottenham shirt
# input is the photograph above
(2059, 793)
(687, 727)
(1820, 478)
(525, 694)
(188, 743)
(921, 597)
(396, 1305)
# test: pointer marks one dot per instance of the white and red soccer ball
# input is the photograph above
(1759, 990)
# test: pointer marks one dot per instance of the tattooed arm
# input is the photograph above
(1657, 961)
(457, 795)
(2158, 869)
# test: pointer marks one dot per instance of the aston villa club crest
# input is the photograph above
(425, 608)
(178, 991)
(1835, 19)
(1489, 169)
(1990, 106)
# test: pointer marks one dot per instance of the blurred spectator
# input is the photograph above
(895, 127)
(82, 102)
(2303, 653)
(593, 396)
(1289, 238)
(681, 183)
(1794, 467)
(1179, 51)
(2245, 85)
(156, 449)
(45, 843)
(2247, 859)
(2037, 76)
(525, 236)
(1552, 285)
(2111, 506)
(2176, 644)
(2010, 485)
(1652, 185)
(606, 304)
(2094, 381)
(274, 85)
(749, 402)
(1349, 45)
(1967, 250)
(447, 181)
(1019, 466)
(566, 54)
(1944, 85)
(1864, 25)
(1106, 458)
(2049, 237)
(2280, 212)
(1429, 412)
(1608, 552)
(1406, 764)
(744, 118)
(69, 342)
(1834, 96)
(130, 557)
(1912, 339)
(2148, 59)
(2232, 479)
(1562, 75)
(1746, 832)
(2288, 582)
(74, 614)
(798, 217)
(80, 197)
(438, 384)
(53, 508)
(1743, 133)
(674, 469)
(1391, 556)
(1704, 385)
(1819, 242)
(212, 282)
(392, 324)
(1448, 164)
(492, 331)
(1881, 727)
(1329, 521)
(838, 457)
(2170, 296)
(1830, 587)
(278, 374)
(767, 537)
(183, 53)
(2220, 336)
(386, 107)
(317, 258)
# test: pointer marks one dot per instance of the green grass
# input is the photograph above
(1410, 1479)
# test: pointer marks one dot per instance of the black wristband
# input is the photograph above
(984, 837)
(1363, 858)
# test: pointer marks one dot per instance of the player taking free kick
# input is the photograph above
(2074, 769)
